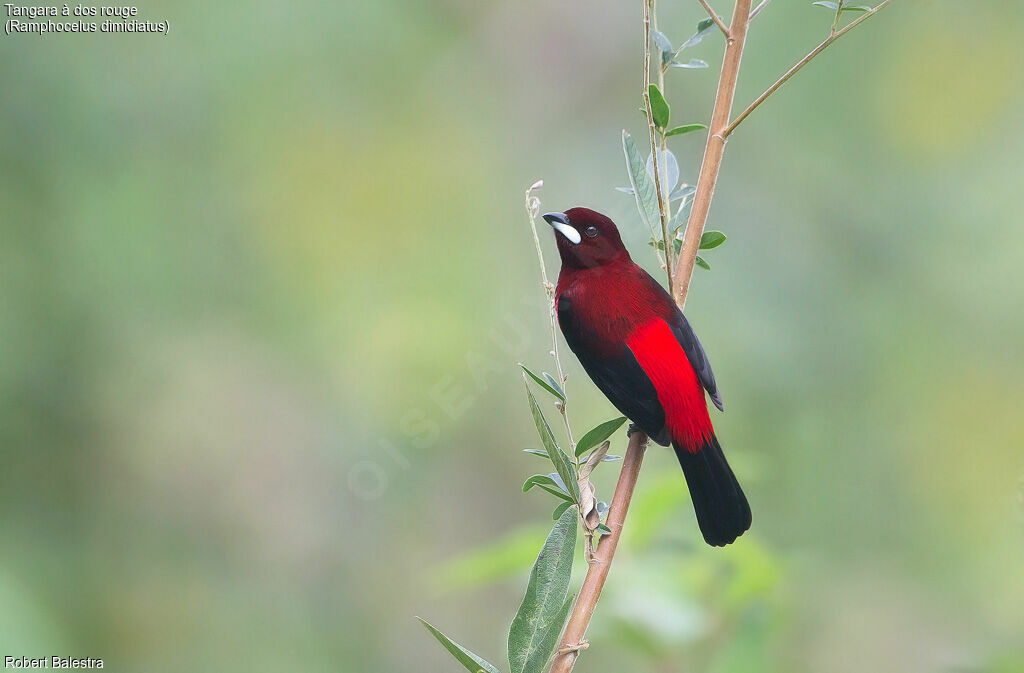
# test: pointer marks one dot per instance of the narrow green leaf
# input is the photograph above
(668, 172)
(684, 191)
(664, 45)
(643, 186)
(702, 264)
(557, 492)
(554, 384)
(560, 510)
(711, 239)
(529, 641)
(702, 29)
(536, 452)
(557, 392)
(538, 480)
(558, 458)
(551, 483)
(685, 128)
(659, 106)
(598, 435)
(677, 243)
(470, 661)
(834, 6)
(610, 459)
(603, 529)
(692, 64)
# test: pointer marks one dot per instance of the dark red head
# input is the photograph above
(586, 238)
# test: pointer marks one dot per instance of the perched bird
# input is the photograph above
(635, 344)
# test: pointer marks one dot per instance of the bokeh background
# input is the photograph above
(264, 283)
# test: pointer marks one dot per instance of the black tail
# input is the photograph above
(722, 510)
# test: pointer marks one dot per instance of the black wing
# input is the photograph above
(618, 375)
(691, 345)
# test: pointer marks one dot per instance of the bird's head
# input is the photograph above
(586, 238)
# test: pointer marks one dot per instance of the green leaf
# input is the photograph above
(549, 641)
(685, 128)
(558, 493)
(665, 45)
(554, 384)
(683, 192)
(711, 239)
(702, 264)
(702, 29)
(603, 529)
(560, 510)
(834, 6)
(536, 452)
(598, 435)
(470, 661)
(556, 391)
(558, 458)
(659, 106)
(551, 483)
(692, 64)
(643, 186)
(668, 172)
(610, 459)
(543, 608)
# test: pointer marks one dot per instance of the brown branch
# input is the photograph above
(597, 573)
(714, 17)
(801, 63)
(713, 150)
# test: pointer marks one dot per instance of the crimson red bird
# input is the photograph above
(639, 349)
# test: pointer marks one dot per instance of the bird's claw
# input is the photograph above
(633, 427)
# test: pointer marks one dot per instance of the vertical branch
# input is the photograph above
(713, 150)
(652, 130)
(572, 639)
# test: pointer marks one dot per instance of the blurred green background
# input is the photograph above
(264, 283)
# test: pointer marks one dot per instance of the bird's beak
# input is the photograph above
(560, 223)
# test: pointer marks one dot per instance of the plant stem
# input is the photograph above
(597, 572)
(801, 63)
(714, 17)
(757, 10)
(652, 130)
(532, 208)
(835, 21)
(713, 150)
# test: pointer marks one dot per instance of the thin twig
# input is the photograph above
(713, 150)
(835, 21)
(714, 17)
(801, 63)
(664, 205)
(757, 10)
(652, 130)
(532, 208)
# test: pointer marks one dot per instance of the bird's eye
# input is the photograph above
(591, 232)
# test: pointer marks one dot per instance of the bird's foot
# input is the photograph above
(633, 427)
(574, 649)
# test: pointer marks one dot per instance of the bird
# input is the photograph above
(640, 351)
